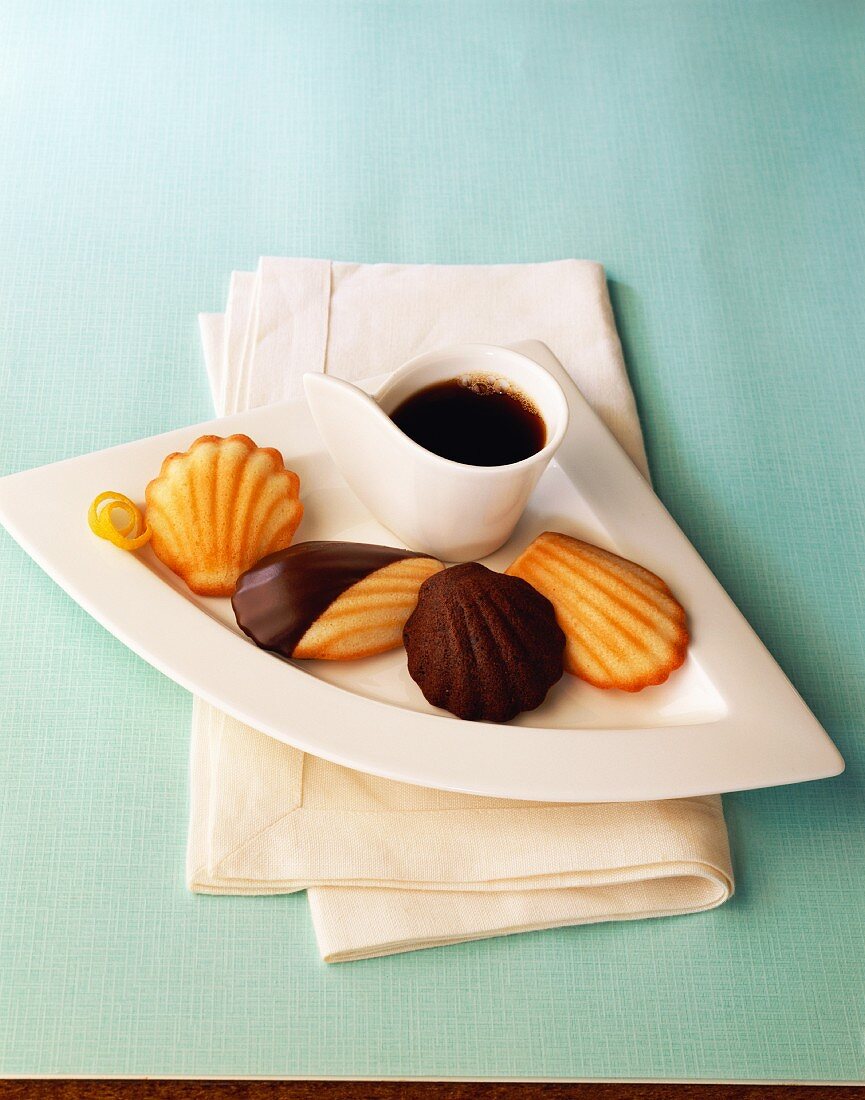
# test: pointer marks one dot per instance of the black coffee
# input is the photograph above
(473, 421)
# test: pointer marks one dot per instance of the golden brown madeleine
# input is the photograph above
(370, 616)
(334, 601)
(220, 506)
(624, 627)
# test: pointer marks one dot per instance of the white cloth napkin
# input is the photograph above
(389, 866)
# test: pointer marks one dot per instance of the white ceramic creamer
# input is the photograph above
(450, 510)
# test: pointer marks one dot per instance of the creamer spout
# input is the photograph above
(361, 438)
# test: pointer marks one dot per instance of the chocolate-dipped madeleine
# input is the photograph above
(335, 601)
(483, 645)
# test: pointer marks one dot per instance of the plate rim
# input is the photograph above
(780, 706)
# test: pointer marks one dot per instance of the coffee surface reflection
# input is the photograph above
(476, 421)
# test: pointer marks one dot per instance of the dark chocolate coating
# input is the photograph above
(280, 597)
(481, 645)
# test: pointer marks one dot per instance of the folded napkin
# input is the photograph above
(390, 866)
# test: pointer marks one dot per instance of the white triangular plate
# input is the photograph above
(727, 720)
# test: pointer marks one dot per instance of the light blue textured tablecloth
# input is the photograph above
(710, 154)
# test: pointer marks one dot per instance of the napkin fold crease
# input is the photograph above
(390, 866)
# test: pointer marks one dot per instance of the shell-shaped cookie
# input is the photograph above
(217, 508)
(483, 645)
(368, 617)
(335, 601)
(624, 627)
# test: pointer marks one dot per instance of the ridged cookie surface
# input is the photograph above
(335, 601)
(217, 508)
(624, 627)
(482, 645)
(370, 616)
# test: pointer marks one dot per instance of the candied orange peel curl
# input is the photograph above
(131, 533)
